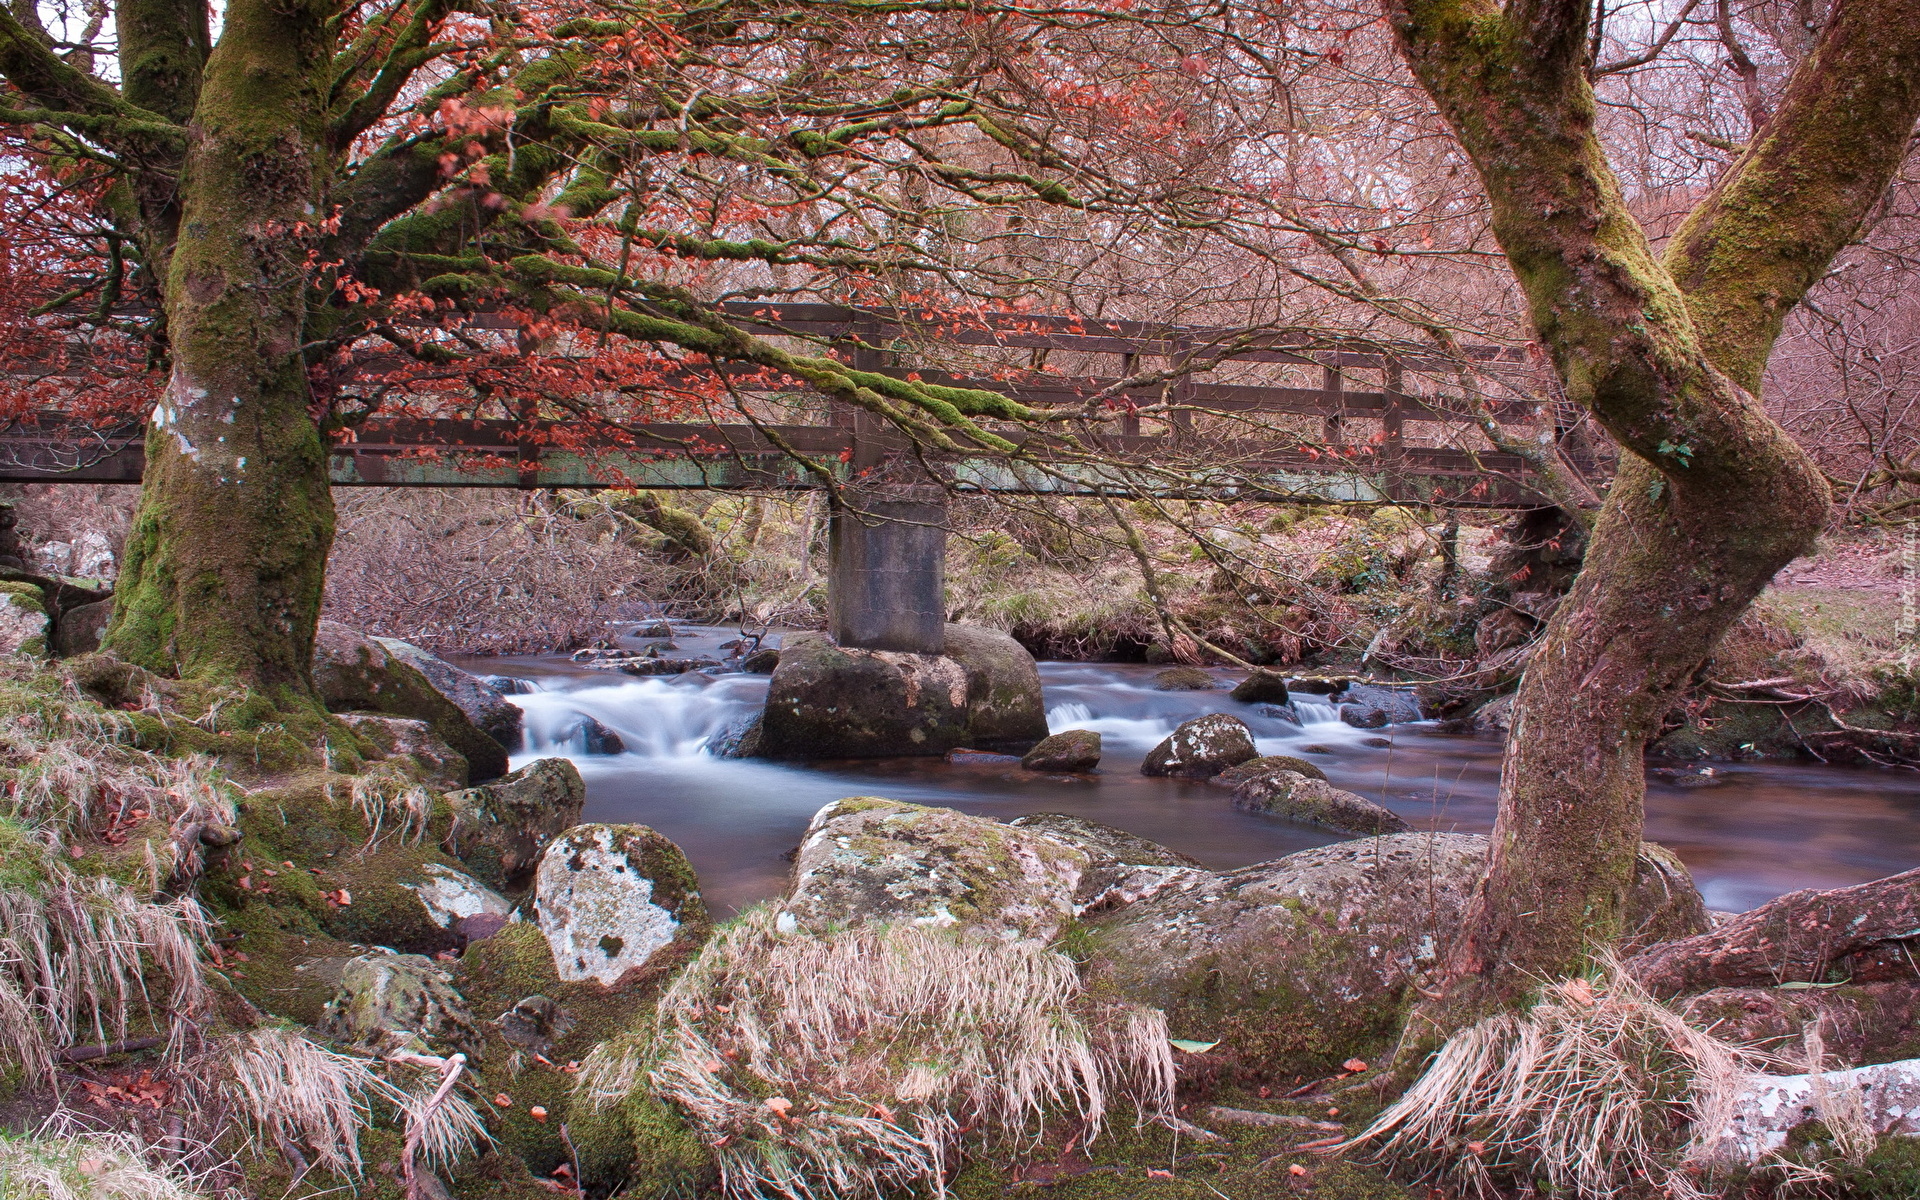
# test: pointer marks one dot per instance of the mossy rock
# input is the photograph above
(1262, 687)
(500, 829)
(1295, 965)
(1201, 748)
(355, 673)
(401, 1002)
(25, 627)
(1184, 679)
(609, 898)
(865, 859)
(1253, 768)
(634, 1142)
(1312, 801)
(1072, 751)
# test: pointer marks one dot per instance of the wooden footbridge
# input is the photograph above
(1361, 454)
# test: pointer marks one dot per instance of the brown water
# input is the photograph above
(1762, 830)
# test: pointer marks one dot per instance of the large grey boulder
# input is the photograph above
(1297, 964)
(490, 711)
(1262, 687)
(616, 898)
(1303, 798)
(400, 1002)
(866, 859)
(1121, 867)
(1201, 748)
(355, 673)
(500, 829)
(830, 701)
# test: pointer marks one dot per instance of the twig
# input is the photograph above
(417, 1126)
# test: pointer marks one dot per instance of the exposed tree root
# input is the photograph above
(1797, 938)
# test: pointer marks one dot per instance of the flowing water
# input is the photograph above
(1761, 830)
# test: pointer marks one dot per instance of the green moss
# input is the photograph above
(1249, 1164)
(24, 596)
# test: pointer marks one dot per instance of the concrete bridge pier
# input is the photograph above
(886, 579)
(890, 677)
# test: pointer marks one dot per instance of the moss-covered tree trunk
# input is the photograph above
(1713, 498)
(227, 555)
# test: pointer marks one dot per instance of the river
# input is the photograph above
(1762, 829)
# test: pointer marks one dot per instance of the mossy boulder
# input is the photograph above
(1121, 867)
(1297, 964)
(355, 673)
(414, 743)
(1266, 764)
(831, 701)
(489, 711)
(865, 859)
(79, 629)
(1073, 751)
(25, 627)
(511, 982)
(390, 1002)
(1370, 706)
(1201, 748)
(459, 903)
(1184, 679)
(500, 829)
(609, 898)
(1262, 687)
(1005, 709)
(1313, 801)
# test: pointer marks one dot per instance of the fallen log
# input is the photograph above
(1794, 939)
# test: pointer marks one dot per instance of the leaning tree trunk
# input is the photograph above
(1713, 497)
(227, 555)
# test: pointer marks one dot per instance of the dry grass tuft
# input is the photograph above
(83, 1166)
(314, 1104)
(76, 956)
(392, 802)
(1593, 1092)
(855, 1064)
(293, 1092)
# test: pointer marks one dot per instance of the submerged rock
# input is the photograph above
(867, 859)
(1201, 748)
(614, 898)
(355, 673)
(1184, 679)
(1266, 764)
(596, 738)
(1262, 687)
(1393, 706)
(1297, 964)
(829, 701)
(1299, 797)
(1072, 751)
(486, 707)
(400, 1002)
(1495, 716)
(761, 661)
(500, 829)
